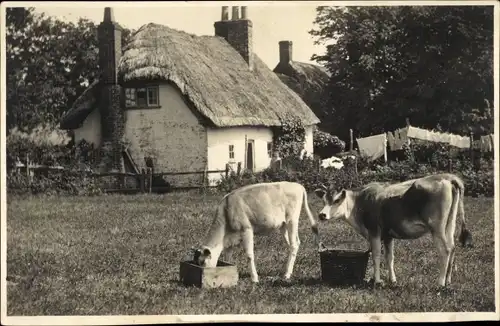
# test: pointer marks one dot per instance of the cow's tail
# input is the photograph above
(465, 236)
(312, 220)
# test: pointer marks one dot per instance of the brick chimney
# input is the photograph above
(237, 32)
(110, 100)
(286, 52)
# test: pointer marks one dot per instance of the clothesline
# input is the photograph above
(376, 146)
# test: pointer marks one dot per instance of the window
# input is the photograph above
(270, 149)
(142, 97)
(231, 152)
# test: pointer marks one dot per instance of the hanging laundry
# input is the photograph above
(484, 143)
(453, 140)
(449, 139)
(416, 133)
(487, 143)
(412, 132)
(373, 147)
(391, 141)
(403, 136)
(398, 144)
(444, 138)
(464, 142)
(435, 137)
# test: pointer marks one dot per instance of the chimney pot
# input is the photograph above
(225, 13)
(286, 51)
(244, 12)
(109, 17)
(236, 13)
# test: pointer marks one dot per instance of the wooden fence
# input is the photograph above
(144, 182)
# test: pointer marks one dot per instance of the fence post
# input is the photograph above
(238, 171)
(356, 165)
(150, 180)
(142, 181)
(351, 140)
(205, 176)
(227, 170)
(471, 151)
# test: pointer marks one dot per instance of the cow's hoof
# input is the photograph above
(376, 284)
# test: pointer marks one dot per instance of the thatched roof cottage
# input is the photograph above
(307, 80)
(184, 102)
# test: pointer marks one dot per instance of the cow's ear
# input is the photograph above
(340, 196)
(206, 252)
(320, 192)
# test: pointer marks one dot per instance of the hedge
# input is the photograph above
(477, 183)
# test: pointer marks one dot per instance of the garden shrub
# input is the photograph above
(307, 173)
(326, 145)
(64, 182)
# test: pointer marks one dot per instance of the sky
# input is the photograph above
(271, 23)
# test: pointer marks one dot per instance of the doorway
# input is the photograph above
(250, 155)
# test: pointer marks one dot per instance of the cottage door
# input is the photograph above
(250, 155)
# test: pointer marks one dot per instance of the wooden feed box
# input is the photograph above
(223, 276)
(343, 266)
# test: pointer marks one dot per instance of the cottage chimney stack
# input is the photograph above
(236, 13)
(286, 48)
(112, 116)
(238, 33)
(244, 12)
(225, 13)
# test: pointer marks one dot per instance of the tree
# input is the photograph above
(49, 64)
(431, 64)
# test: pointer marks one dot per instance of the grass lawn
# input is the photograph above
(120, 255)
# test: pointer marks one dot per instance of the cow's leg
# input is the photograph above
(375, 244)
(450, 239)
(451, 260)
(228, 253)
(249, 250)
(294, 243)
(389, 258)
(284, 232)
(444, 255)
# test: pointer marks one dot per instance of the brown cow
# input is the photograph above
(381, 212)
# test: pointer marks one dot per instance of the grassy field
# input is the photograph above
(120, 255)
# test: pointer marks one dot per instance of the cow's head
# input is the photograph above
(335, 203)
(204, 257)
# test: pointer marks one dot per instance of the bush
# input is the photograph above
(307, 173)
(327, 145)
(44, 145)
(65, 182)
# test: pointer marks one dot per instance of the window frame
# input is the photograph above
(148, 104)
(270, 149)
(231, 152)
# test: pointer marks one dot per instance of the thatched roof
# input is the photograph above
(81, 108)
(211, 74)
(307, 80)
